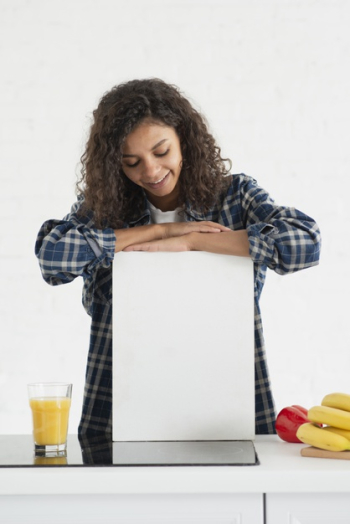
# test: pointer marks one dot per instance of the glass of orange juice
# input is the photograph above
(50, 404)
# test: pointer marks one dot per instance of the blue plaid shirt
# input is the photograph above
(281, 238)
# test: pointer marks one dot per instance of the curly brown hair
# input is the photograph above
(107, 192)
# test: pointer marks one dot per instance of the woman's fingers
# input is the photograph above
(147, 246)
(184, 228)
(207, 227)
(174, 244)
(214, 224)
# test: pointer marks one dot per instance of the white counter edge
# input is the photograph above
(281, 470)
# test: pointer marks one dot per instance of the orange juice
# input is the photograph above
(50, 461)
(50, 420)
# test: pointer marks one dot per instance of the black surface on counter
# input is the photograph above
(18, 451)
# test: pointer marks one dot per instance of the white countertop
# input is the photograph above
(281, 470)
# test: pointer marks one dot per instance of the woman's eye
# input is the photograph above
(163, 154)
(133, 165)
(138, 161)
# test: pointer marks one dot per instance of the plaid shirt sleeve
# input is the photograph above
(281, 238)
(73, 247)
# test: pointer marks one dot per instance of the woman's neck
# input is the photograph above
(166, 202)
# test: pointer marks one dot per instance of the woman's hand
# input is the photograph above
(180, 243)
(177, 229)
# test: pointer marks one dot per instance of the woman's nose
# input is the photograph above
(151, 168)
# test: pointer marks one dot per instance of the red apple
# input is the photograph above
(288, 421)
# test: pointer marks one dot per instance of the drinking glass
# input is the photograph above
(50, 403)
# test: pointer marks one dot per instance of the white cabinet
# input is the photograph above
(308, 508)
(281, 508)
(132, 509)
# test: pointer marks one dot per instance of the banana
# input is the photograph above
(337, 418)
(319, 438)
(344, 432)
(337, 400)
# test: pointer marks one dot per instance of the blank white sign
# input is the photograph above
(183, 347)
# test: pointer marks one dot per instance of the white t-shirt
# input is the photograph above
(162, 217)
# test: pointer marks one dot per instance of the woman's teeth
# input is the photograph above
(159, 181)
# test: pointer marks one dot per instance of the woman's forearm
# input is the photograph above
(141, 235)
(225, 243)
(134, 235)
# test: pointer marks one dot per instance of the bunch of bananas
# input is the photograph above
(334, 412)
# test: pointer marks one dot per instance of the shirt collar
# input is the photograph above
(145, 215)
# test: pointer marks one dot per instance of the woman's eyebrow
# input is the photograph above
(153, 148)
(159, 143)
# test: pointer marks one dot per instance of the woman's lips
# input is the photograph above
(160, 184)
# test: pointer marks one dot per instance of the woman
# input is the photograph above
(153, 179)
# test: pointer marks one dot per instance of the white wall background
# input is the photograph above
(273, 79)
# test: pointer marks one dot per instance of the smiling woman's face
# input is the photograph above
(152, 159)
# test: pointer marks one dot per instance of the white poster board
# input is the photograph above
(183, 347)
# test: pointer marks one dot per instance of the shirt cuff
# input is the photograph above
(261, 242)
(101, 243)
